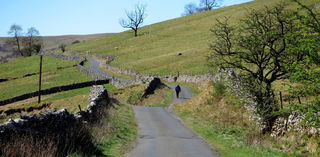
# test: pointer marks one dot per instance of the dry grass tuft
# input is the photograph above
(78, 140)
(221, 110)
(28, 146)
(161, 97)
(30, 108)
(128, 95)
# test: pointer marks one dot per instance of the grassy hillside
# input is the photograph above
(50, 42)
(155, 49)
(22, 66)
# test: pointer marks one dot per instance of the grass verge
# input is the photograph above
(117, 131)
(222, 120)
(86, 64)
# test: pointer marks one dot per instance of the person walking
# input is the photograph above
(178, 90)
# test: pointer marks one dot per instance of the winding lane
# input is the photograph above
(94, 66)
(161, 134)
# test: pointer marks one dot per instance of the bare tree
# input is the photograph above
(134, 18)
(16, 32)
(32, 42)
(189, 9)
(208, 4)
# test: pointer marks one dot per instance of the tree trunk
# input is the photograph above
(135, 32)
(18, 44)
(270, 118)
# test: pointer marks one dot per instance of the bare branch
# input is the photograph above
(134, 18)
(208, 4)
(189, 9)
(32, 42)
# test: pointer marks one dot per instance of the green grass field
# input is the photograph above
(155, 50)
(22, 66)
(118, 133)
(51, 77)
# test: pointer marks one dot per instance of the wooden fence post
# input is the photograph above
(281, 100)
(39, 96)
(299, 100)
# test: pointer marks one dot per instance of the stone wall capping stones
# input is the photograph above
(42, 123)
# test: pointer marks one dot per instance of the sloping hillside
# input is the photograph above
(50, 42)
(155, 49)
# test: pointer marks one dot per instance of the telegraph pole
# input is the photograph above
(39, 97)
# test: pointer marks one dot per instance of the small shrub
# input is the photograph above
(63, 47)
(311, 112)
(75, 42)
(219, 88)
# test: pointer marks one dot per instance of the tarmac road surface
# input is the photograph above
(94, 66)
(161, 134)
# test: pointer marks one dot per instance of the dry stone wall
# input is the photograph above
(170, 78)
(61, 56)
(292, 123)
(53, 90)
(107, 58)
(152, 86)
(281, 125)
(89, 72)
(5, 59)
(56, 121)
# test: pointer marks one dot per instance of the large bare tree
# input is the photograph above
(134, 18)
(16, 32)
(32, 42)
(208, 4)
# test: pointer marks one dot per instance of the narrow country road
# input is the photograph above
(94, 66)
(185, 95)
(161, 134)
